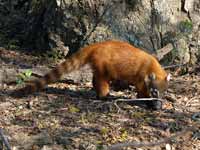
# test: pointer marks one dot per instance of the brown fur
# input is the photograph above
(110, 60)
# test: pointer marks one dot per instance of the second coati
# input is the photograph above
(110, 60)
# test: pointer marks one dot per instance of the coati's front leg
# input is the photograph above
(101, 86)
(142, 91)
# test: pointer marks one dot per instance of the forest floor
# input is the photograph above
(66, 115)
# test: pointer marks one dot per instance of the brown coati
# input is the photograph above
(110, 61)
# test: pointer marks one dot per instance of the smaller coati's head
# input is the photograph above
(155, 85)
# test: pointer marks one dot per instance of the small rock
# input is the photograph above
(168, 147)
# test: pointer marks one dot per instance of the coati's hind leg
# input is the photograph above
(101, 86)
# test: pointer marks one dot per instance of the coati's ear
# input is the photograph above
(168, 77)
(149, 78)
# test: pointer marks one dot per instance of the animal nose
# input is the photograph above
(154, 92)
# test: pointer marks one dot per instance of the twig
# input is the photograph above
(188, 102)
(59, 43)
(137, 99)
(96, 24)
(99, 20)
(4, 139)
(196, 117)
(150, 144)
(173, 66)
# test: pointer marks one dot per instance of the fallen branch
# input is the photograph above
(137, 99)
(4, 139)
(164, 51)
(148, 103)
(151, 103)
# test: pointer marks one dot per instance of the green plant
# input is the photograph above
(99, 147)
(186, 26)
(21, 77)
(13, 44)
(73, 109)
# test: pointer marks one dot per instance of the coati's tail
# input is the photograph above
(72, 63)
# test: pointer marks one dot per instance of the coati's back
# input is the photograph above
(116, 60)
(110, 60)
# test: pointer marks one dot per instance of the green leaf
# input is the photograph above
(28, 73)
(73, 109)
(21, 77)
(19, 81)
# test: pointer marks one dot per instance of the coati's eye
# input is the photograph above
(152, 76)
(149, 79)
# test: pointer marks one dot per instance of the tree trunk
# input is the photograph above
(70, 24)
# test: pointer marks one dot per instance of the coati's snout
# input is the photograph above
(156, 86)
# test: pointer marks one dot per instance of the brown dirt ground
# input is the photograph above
(67, 115)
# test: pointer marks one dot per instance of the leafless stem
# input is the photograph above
(4, 139)
(174, 66)
(150, 144)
